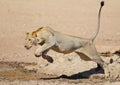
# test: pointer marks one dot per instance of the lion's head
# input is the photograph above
(34, 38)
(29, 41)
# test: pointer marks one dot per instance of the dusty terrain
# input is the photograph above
(74, 17)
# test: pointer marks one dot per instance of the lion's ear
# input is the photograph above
(34, 34)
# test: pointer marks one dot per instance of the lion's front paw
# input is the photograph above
(31, 68)
(37, 54)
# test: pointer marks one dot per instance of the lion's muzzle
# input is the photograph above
(27, 47)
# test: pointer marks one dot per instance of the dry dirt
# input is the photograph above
(13, 73)
(20, 16)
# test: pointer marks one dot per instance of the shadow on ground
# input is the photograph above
(80, 75)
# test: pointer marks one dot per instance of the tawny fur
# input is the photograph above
(48, 38)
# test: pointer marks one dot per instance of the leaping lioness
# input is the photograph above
(48, 38)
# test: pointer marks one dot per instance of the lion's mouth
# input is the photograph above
(27, 47)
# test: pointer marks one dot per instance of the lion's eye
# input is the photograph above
(38, 40)
(29, 39)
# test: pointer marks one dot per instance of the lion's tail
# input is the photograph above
(98, 26)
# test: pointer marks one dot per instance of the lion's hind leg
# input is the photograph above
(90, 51)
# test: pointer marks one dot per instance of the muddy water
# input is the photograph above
(15, 70)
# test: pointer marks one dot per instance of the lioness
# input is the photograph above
(47, 38)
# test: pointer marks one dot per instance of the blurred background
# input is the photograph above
(74, 17)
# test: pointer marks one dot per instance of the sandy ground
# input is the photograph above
(74, 17)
